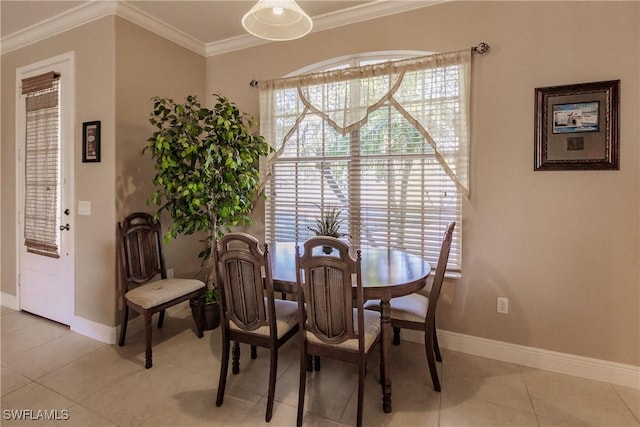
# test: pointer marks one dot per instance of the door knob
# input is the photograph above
(64, 227)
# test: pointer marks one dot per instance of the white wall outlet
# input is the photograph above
(503, 305)
(170, 273)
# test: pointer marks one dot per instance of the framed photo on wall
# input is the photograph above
(91, 142)
(576, 126)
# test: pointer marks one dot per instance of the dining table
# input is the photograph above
(386, 273)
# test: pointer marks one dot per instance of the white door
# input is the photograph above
(46, 284)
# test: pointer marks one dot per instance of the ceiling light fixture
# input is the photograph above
(277, 20)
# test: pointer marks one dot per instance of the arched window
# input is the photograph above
(369, 160)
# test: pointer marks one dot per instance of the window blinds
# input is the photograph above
(385, 143)
(42, 164)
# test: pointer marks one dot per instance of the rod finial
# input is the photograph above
(253, 83)
(482, 48)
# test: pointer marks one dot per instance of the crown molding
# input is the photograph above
(376, 9)
(75, 17)
(88, 12)
(148, 22)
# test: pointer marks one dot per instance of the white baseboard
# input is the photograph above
(10, 301)
(104, 333)
(564, 363)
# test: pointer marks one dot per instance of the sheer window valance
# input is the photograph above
(429, 92)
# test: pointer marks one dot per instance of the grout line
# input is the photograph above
(526, 387)
(624, 402)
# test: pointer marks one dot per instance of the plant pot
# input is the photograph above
(211, 313)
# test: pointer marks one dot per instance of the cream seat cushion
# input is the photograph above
(286, 318)
(371, 332)
(155, 293)
(412, 308)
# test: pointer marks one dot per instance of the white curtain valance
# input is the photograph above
(430, 92)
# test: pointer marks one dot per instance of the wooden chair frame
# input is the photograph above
(246, 283)
(429, 325)
(141, 259)
(338, 275)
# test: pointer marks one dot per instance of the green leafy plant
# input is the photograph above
(211, 296)
(207, 169)
(329, 223)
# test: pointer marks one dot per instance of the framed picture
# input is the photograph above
(91, 142)
(576, 127)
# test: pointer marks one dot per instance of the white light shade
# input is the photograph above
(277, 20)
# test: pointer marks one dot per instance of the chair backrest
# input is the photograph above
(141, 257)
(441, 268)
(325, 284)
(245, 282)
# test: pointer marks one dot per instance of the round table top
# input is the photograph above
(381, 267)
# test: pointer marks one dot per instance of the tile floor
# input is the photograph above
(47, 367)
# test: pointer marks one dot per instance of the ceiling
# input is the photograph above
(209, 27)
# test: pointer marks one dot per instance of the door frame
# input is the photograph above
(66, 64)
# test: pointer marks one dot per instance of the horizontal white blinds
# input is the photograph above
(402, 200)
(42, 159)
(390, 152)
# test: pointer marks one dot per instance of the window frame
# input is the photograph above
(346, 61)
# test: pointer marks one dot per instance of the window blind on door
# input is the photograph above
(42, 164)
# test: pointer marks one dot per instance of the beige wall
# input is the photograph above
(562, 246)
(114, 84)
(95, 95)
(167, 70)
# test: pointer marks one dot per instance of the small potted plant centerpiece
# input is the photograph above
(329, 224)
(207, 174)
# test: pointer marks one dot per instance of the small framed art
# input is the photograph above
(91, 142)
(576, 126)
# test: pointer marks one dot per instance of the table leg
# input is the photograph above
(385, 319)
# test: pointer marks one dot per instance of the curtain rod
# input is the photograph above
(481, 49)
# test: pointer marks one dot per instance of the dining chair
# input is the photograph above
(418, 311)
(141, 262)
(249, 312)
(331, 326)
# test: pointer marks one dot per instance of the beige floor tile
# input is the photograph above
(52, 355)
(286, 415)
(14, 320)
(457, 364)
(135, 398)
(30, 336)
(475, 412)
(254, 373)
(327, 392)
(576, 400)
(198, 408)
(35, 398)
(12, 380)
(80, 416)
(6, 310)
(631, 397)
(507, 390)
(91, 373)
(107, 385)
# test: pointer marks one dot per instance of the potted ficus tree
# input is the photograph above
(207, 172)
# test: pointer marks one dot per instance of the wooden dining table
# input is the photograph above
(386, 274)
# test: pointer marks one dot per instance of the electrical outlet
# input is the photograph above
(503, 305)
(170, 273)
